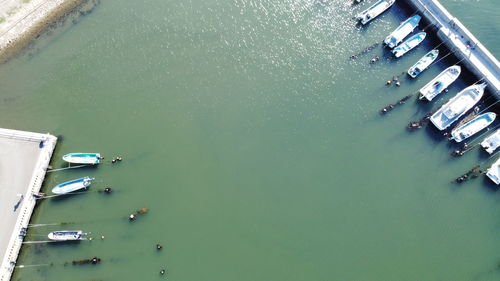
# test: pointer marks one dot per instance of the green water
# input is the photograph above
(256, 144)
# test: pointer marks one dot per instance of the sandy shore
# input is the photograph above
(22, 21)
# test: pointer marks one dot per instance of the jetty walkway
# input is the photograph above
(24, 158)
(462, 42)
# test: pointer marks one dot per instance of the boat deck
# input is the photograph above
(22, 164)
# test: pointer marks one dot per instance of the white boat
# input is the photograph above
(473, 126)
(440, 82)
(494, 172)
(67, 235)
(376, 9)
(457, 106)
(491, 143)
(409, 44)
(402, 31)
(73, 185)
(83, 158)
(423, 63)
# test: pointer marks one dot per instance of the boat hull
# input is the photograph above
(403, 30)
(472, 127)
(423, 63)
(374, 11)
(82, 158)
(457, 106)
(66, 235)
(71, 186)
(491, 143)
(442, 81)
(409, 44)
(494, 172)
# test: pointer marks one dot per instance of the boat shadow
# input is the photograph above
(490, 185)
(65, 197)
(70, 243)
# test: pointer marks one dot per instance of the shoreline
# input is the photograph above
(21, 23)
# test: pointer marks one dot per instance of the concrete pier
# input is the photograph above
(24, 158)
(462, 42)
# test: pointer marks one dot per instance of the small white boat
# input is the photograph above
(73, 185)
(409, 44)
(440, 82)
(67, 235)
(494, 172)
(423, 63)
(83, 158)
(491, 143)
(457, 106)
(375, 10)
(402, 31)
(473, 126)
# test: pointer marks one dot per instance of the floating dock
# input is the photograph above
(24, 158)
(462, 42)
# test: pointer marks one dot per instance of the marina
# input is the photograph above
(244, 127)
(462, 42)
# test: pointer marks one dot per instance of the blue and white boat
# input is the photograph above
(494, 172)
(457, 106)
(409, 44)
(375, 10)
(402, 31)
(440, 82)
(67, 235)
(491, 143)
(74, 185)
(473, 126)
(423, 63)
(83, 158)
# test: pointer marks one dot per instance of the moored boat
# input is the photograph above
(457, 106)
(405, 28)
(423, 63)
(491, 143)
(473, 126)
(73, 185)
(374, 11)
(83, 158)
(440, 82)
(494, 172)
(409, 44)
(67, 235)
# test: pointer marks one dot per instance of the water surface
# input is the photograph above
(256, 144)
